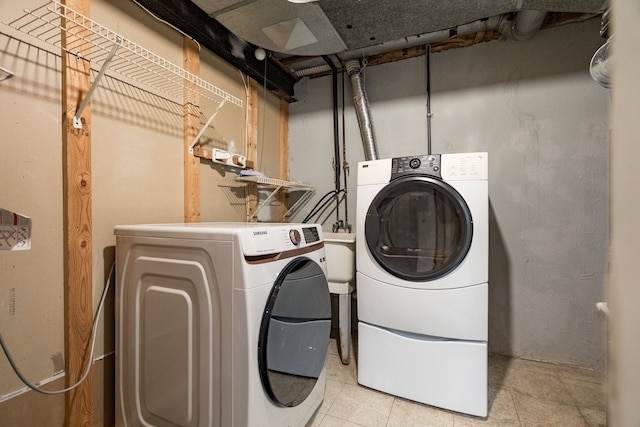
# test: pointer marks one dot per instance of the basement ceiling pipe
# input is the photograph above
(361, 104)
(526, 24)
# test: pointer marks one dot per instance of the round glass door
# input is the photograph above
(294, 333)
(418, 228)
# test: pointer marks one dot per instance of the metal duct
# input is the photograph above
(526, 24)
(361, 104)
(312, 70)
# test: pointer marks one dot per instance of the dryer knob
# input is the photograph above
(294, 236)
(414, 163)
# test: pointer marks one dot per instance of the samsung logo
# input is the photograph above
(259, 233)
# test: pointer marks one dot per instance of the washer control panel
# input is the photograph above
(262, 239)
(311, 234)
(428, 164)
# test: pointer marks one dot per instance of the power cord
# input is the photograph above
(96, 318)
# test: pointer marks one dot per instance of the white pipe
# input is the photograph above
(603, 307)
(526, 24)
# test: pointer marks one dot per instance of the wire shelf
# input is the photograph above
(54, 21)
(273, 182)
(235, 190)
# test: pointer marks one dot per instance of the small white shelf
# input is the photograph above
(273, 186)
(111, 52)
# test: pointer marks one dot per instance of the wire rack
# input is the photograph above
(236, 192)
(54, 22)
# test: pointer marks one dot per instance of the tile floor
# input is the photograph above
(521, 393)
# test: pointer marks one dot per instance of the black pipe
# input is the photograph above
(191, 20)
(336, 135)
(428, 99)
(345, 164)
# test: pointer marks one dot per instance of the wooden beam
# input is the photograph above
(78, 284)
(191, 111)
(252, 145)
(284, 155)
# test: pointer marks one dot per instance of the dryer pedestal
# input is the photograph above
(449, 374)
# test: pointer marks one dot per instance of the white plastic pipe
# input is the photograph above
(603, 307)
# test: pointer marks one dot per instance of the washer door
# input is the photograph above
(418, 228)
(294, 333)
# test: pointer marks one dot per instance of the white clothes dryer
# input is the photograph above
(422, 274)
(220, 324)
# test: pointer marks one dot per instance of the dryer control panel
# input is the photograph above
(428, 164)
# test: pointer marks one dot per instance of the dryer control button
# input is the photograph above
(294, 236)
(414, 163)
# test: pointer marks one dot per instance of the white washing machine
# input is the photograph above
(422, 274)
(220, 324)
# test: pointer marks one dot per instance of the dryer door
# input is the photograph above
(294, 333)
(418, 228)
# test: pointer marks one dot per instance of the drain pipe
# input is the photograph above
(525, 26)
(361, 104)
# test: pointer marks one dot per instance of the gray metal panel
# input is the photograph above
(298, 348)
(249, 22)
(304, 294)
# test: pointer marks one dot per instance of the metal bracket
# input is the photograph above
(206, 125)
(5, 74)
(77, 123)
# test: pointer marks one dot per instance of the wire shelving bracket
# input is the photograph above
(111, 52)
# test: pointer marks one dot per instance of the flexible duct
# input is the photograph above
(312, 70)
(361, 104)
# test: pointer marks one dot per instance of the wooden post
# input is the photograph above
(284, 155)
(191, 111)
(252, 145)
(78, 284)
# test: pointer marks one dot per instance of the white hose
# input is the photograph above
(89, 361)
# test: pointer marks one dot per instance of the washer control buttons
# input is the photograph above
(414, 163)
(294, 236)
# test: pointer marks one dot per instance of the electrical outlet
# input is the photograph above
(15, 231)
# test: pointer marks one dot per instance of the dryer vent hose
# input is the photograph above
(363, 113)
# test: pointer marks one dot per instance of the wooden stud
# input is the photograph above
(284, 155)
(191, 112)
(78, 284)
(252, 146)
